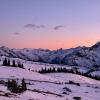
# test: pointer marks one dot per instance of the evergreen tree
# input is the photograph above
(5, 62)
(42, 71)
(8, 84)
(19, 64)
(14, 64)
(12, 86)
(58, 69)
(8, 63)
(53, 70)
(24, 87)
(15, 88)
(22, 66)
(45, 70)
(50, 70)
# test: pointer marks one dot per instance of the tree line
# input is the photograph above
(65, 70)
(7, 62)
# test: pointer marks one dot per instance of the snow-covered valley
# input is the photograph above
(49, 86)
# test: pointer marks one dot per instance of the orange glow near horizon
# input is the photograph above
(54, 46)
(49, 42)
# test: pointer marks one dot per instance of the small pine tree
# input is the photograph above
(53, 70)
(8, 84)
(5, 62)
(45, 70)
(42, 71)
(58, 69)
(14, 64)
(8, 63)
(20, 65)
(24, 87)
(50, 69)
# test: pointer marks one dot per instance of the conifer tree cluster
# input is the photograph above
(13, 86)
(65, 70)
(7, 62)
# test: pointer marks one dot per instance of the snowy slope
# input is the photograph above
(48, 86)
(18, 73)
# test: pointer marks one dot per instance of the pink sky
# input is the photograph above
(49, 24)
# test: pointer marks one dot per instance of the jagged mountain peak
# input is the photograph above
(97, 45)
(4, 47)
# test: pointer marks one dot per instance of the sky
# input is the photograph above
(50, 24)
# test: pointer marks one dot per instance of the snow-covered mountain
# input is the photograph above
(47, 86)
(79, 56)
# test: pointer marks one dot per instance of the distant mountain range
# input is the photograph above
(79, 56)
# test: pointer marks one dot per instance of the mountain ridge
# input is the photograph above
(79, 56)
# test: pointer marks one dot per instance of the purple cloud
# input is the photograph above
(58, 27)
(34, 26)
(16, 33)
